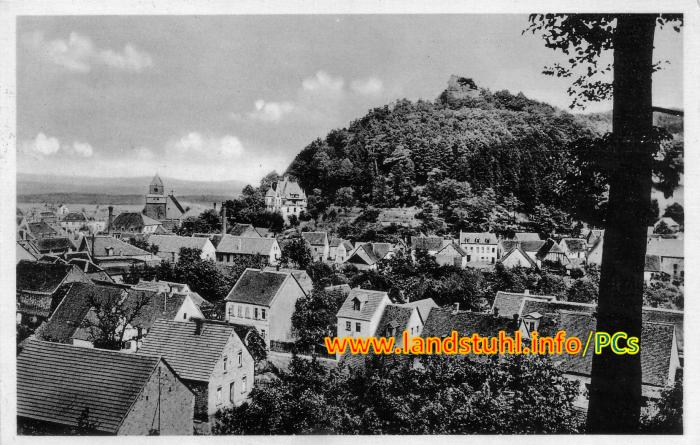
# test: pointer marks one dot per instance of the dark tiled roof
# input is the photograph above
(315, 238)
(668, 316)
(191, 355)
(75, 217)
(158, 305)
(135, 221)
(396, 318)
(531, 246)
(549, 246)
(246, 230)
(41, 229)
(530, 305)
(301, 276)
(451, 249)
(442, 321)
(575, 245)
(119, 247)
(369, 300)
(509, 303)
(41, 277)
(363, 254)
(55, 245)
(381, 249)
(257, 287)
(56, 382)
(426, 242)
(477, 238)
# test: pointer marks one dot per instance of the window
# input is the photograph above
(264, 314)
(356, 305)
(358, 327)
(262, 333)
(184, 316)
(240, 311)
(247, 312)
(348, 326)
(256, 313)
(218, 395)
(231, 392)
(244, 384)
(225, 363)
(240, 359)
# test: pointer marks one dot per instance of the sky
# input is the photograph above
(215, 98)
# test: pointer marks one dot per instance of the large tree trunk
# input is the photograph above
(616, 381)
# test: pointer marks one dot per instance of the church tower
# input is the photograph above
(155, 199)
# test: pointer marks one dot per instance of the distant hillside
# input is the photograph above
(121, 188)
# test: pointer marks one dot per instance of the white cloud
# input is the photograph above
(323, 82)
(42, 145)
(83, 149)
(367, 87)
(227, 147)
(79, 54)
(271, 111)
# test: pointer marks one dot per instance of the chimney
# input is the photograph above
(455, 308)
(495, 312)
(215, 206)
(223, 219)
(92, 248)
(198, 322)
(110, 220)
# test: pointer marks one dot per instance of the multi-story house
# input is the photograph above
(574, 248)
(230, 247)
(287, 197)
(338, 250)
(210, 357)
(318, 244)
(266, 301)
(480, 247)
(670, 251)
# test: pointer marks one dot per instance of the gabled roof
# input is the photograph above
(156, 180)
(665, 247)
(133, 220)
(173, 243)
(257, 287)
(246, 230)
(575, 245)
(301, 276)
(381, 250)
(451, 249)
(668, 316)
(315, 238)
(192, 355)
(176, 203)
(105, 242)
(40, 276)
(442, 321)
(429, 243)
(530, 305)
(363, 254)
(509, 303)
(424, 307)
(287, 188)
(395, 317)
(670, 222)
(42, 229)
(26, 250)
(652, 263)
(75, 217)
(519, 250)
(54, 244)
(527, 236)
(159, 305)
(245, 245)
(477, 238)
(369, 303)
(56, 382)
(335, 242)
(549, 247)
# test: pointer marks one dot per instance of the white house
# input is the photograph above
(481, 247)
(286, 197)
(516, 257)
(169, 246)
(232, 246)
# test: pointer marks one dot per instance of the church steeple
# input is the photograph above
(156, 187)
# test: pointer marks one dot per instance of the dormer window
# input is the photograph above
(356, 304)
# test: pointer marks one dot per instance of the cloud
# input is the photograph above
(367, 87)
(271, 111)
(83, 149)
(323, 82)
(227, 147)
(42, 145)
(79, 54)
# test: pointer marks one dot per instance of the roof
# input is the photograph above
(246, 230)
(369, 302)
(395, 317)
(335, 242)
(75, 217)
(575, 245)
(670, 222)
(129, 221)
(527, 236)
(159, 305)
(56, 382)
(41, 277)
(191, 355)
(173, 243)
(119, 248)
(157, 181)
(245, 245)
(262, 231)
(652, 263)
(530, 305)
(665, 247)
(424, 307)
(442, 321)
(77, 299)
(427, 242)
(257, 287)
(454, 247)
(381, 249)
(287, 189)
(364, 253)
(477, 238)
(176, 203)
(41, 228)
(525, 255)
(343, 288)
(668, 316)
(301, 276)
(509, 303)
(315, 238)
(656, 346)
(549, 247)
(26, 250)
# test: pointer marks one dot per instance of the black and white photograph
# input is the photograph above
(348, 219)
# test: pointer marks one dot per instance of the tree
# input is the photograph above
(663, 229)
(110, 315)
(668, 410)
(615, 392)
(314, 317)
(293, 221)
(675, 212)
(662, 294)
(144, 245)
(345, 197)
(296, 253)
(583, 290)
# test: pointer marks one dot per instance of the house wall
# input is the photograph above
(208, 251)
(667, 265)
(282, 308)
(262, 325)
(414, 325)
(176, 406)
(222, 378)
(188, 310)
(516, 259)
(480, 253)
(368, 328)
